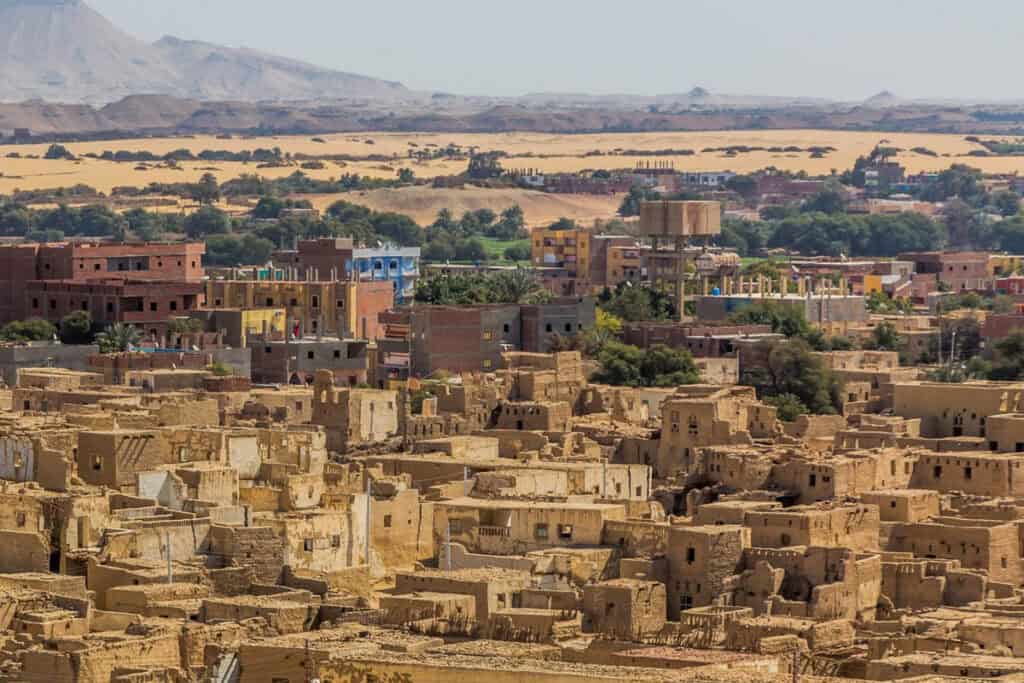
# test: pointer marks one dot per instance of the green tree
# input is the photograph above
(630, 205)
(406, 176)
(636, 303)
(77, 328)
(831, 200)
(58, 152)
(207, 220)
(484, 166)
(885, 337)
(228, 250)
(958, 340)
(517, 252)
(958, 180)
(1009, 363)
(33, 329)
(961, 221)
(784, 319)
(659, 366)
(503, 287)
(789, 406)
(471, 250)
(511, 225)
(118, 337)
(206, 191)
(519, 286)
(1007, 203)
(663, 366)
(268, 207)
(743, 185)
(793, 369)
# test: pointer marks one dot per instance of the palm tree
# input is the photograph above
(518, 286)
(118, 337)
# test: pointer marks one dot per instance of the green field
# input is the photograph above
(496, 248)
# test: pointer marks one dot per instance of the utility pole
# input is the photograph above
(448, 545)
(604, 478)
(369, 526)
(170, 570)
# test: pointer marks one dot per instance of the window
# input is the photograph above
(336, 541)
(968, 473)
(85, 305)
(316, 302)
(937, 471)
(487, 335)
(691, 555)
(267, 349)
(307, 545)
(270, 301)
(548, 328)
(692, 425)
(19, 518)
(568, 327)
(96, 267)
(337, 353)
(174, 305)
(152, 305)
(487, 363)
(812, 480)
(387, 521)
(294, 302)
(53, 304)
(341, 303)
(216, 302)
(565, 532)
(35, 303)
(310, 355)
(505, 328)
(540, 532)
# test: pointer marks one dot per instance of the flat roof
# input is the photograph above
(526, 505)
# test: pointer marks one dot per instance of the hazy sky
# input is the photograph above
(848, 50)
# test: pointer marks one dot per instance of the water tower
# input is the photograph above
(675, 223)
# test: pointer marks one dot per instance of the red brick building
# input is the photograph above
(147, 305)
(143, 284)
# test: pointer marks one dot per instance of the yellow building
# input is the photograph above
(623, 264)
(1003, 265)
(568, 249)
(872, 284)
(316, 307)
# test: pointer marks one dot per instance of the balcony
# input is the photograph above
(493, 531)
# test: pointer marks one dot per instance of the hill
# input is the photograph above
(64, 51)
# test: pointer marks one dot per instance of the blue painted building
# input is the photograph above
(400, 265)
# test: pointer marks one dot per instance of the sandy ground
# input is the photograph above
(423, 203)
(547, 153)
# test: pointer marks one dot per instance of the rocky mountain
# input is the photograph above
(64, 51)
